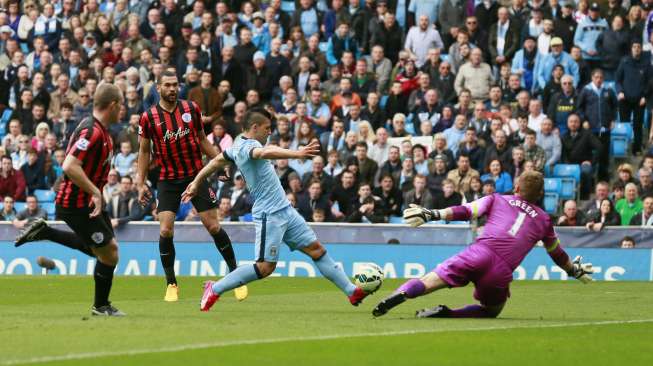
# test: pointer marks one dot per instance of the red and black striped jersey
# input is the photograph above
(175, 139)
(91, 143)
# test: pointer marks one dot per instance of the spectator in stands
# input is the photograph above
(318, 173)
(12, 181)
(518, 163)
(588, 31)
(605, 216)
(571, 216)
(499, 149)
(348, 150)
(312, 199)
(124, 207)
(31, 212)
(533, 152)
(475, 76)
(502, 180)
(318, 112)
(550, 143)
(630, 205)
(627, 243)
(343, 195)
(645, 218)
(577, 148)
(419, 195)
(422, 38)
(219, 136)
(475, 190)
(449, 197)
(62, 94)
(112, 188)
(597, 106)
(123, 161)
(224, 210)
(366, 208)
(391, 198)
(462, 176)
(8, 212)
(469, 146)
(562, 104)
(618, 193)
(455, 134)
(504, 38)
(33, 171)
(241, 201)
(333, 167)
(645, 186)
(340, 42)
(10, 141)
(404, 178)
(557, 56)
(419, 159)
(625, 174)
(632, 80)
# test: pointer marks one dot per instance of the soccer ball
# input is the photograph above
(369, 277)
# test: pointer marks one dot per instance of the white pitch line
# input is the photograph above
(196, 346)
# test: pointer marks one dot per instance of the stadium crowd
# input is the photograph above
(431, 102)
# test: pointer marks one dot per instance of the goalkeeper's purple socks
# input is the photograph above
(412, 288)
(471, 311)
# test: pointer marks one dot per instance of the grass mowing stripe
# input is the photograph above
(188, 347)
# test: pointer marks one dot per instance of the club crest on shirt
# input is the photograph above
(82, 144)
(186, 117)
(97, 237)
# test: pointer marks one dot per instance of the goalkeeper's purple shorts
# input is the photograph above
(480, 265)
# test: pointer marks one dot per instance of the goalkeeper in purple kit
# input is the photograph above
(514, 225)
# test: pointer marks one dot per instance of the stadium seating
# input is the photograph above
(245, 218)
(553, 185)
(396, 220)
(570, 177)
(551, 202)
(288, 6)
(19, 206)
(45, 195)
(49, 207)
(619, 146)
(623, 129)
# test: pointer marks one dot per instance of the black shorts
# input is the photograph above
(169, 195)
(96, 231)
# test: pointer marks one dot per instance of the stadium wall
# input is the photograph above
(420, 250)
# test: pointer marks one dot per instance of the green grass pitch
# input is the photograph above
(293, 321)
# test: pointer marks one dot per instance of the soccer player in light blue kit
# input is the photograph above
(276, 221)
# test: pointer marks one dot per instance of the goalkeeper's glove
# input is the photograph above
(581, 271)
(417, 215)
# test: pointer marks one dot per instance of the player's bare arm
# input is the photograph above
(275, 152)
(72, 167)
(217, 163)
(143, 165)
(207, 148)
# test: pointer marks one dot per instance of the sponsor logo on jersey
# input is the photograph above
(172, 136)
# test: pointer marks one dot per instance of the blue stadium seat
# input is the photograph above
(570, 176)
(618, 146)
(6, 116)
(410, 126)
(245, 218)
(45, 195)
(396, 220)
(610, 85)
(553, 185)
(288, 6)
(623, 129)
(551, 202)
(19, 206)
(383, 101)
(49, 208)
(323, 46)
(547, 171)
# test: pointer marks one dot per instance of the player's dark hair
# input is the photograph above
(168, 72)
(530, 132)
(254, 118)
(362, 144)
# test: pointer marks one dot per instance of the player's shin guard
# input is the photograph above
(167, 253)
(335, 274)
(240, 276)
(412, 288)
(103, 276)
(223, 243)
(66, 238)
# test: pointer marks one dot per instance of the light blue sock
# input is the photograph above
(236, 278)
(335, 274)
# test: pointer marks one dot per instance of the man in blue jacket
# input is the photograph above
(588, 30)
(340, 42)
(597, 107)
(556, 57)
(632, 79)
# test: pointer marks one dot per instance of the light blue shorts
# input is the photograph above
(284, 226)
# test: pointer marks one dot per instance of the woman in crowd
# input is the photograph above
(502, 180)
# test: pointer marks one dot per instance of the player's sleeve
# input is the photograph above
(229, 153)
(473, 210)
(197, 122)
(86, 140)
(144, 126)
(247, 149)
(553, 247)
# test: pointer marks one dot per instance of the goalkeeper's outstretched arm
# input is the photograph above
(576, 269)
(416, 215)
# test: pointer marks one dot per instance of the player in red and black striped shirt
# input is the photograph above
(172, 130)
(79, 201)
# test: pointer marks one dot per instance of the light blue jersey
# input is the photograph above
(262, 181)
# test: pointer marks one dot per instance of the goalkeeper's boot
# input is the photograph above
(388, 303)
(209, 297)
(357, 297)
(440, 311)
(172, 293)
(30, 232)
(241, 293)
(106, 310)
